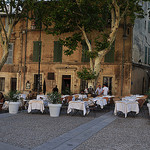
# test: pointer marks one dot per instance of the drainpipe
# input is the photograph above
(38, 88)
(123, 52)
(25, 54)
(21, 60)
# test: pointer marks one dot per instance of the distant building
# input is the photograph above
(141, 53)
(121, 69)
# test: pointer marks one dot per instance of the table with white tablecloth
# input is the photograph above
(99, 101)
(126, 106)
(41, 97)
(81, 96)
(36, 104)
(79, 105)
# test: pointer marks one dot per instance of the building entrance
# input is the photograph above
(108, 82)
(66, 84)
(13, 84)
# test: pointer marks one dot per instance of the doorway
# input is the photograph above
(108, 82)
(13, 84)
(35, 88)
(66, 84)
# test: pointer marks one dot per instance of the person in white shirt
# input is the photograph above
(105, 90)
(99, 90)
(86, 91)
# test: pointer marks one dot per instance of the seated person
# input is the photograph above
(2, 99)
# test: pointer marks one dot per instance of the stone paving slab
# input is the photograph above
(6, 146)
(75, 137)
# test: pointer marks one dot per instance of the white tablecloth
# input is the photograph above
(44, 97)
(126, 106)
(79, 105)
(100, 101)
(36, 104)
(81, 96)
(23, 96)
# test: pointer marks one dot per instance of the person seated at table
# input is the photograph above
(86, 91)
(91, 90)
(99, 90)
(82, 92)
(2, 99)
(105, 90)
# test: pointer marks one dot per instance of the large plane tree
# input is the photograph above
(82, 17)
(13, 11)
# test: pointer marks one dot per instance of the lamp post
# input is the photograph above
(38, 86)
(124, 38)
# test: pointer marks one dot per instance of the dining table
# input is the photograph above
(99, 101)
(126, 106)
(78, 105)
(36, 104)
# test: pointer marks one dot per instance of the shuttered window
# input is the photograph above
(2, 84)
(109, 57)
(85, 57)
(10, 54)
(148, 26)
(51, 76)
(36, 50)
(148, 55)
(57, 51)
(145, 55)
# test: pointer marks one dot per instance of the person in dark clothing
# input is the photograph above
(55, 89)
(2, 99)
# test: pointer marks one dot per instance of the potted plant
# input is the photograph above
(54, 99)
(148, 100)
(13, 97)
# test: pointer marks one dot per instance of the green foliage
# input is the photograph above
(86, 74)
(71, 43)
(54, 97)
(148, 94)
(13, 96)
(102, 44)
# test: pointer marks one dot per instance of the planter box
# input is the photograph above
(148, 105)
(54, 109)
(13, 107)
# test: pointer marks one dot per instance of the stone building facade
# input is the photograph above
(21, 69)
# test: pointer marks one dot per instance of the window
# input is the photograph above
(10, 54)
(2, 84)
(51, 76)
(149, 56)
(148, 26)
(85, 49)
(36, 50)
(57, 51)
(6, 24)
(109, 57)
(145, 55)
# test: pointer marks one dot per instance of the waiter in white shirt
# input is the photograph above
(105, 90)
(99, 90)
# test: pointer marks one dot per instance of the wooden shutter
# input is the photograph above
(57, 51)
(36, 50)
(148, 26)
(2, 84)
(85, 57)
(148, 55)
(10, 55)
(145, 55)
(109, 57)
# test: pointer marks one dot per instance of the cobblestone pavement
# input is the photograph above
(28, 131)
